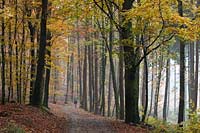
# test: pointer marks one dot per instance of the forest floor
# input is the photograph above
(61, 119)
(15, 118)
(80, 121)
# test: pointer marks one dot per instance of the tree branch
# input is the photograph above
(155, 48)
(109, 15)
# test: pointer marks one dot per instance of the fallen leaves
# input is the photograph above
(80, 121)
(67, 119)
(30, 119)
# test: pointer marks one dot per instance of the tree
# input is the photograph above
(48, 70)
(3, 53)
(166, 98)
(32, 29)
(37, 97)
(182, 71)
(145, 82)
(157, 91)
(85, 79)
(131, 71)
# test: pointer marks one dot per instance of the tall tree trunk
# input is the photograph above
(143, 88)
(112, 68)
(85, 80)
(90, 63)
(191, 89)
(131, 72)
(32, 30)
(37, 98)
(16, 56)
(103, 74)
(92, 75)
(48, 70)
(96, 90)
(152, 89)
(182, 71)
(109, 95)
(166, 98)
(79, 64)
(10, 95)
(145, 85)
(157, 92)
(103, 66)
(55, 85)
(72, 77)
(196, 72)
(22, 57)
(68, 80)
(121, 82)
(3, 55)
(33, 66)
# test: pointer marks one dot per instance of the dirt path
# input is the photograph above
(80, 121)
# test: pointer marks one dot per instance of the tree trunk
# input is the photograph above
(32, 30)
(10, 95)
(196, 73)
(152, 89)
(55, 85)
(37, 98)
(48, 70)
(131, 72)
(109, 95)
(16, 50)
(121, 83)
(112, 68)
(79, 64)
(191, 88)
(90, 62)
(166, 98)
(96, 91)
(85, 80)
(182, 72)
(72, 77)
(3, 55)
(157, 92)
(68, 80)
(33, 66)
(145, 85)
(103, 67)
(103, 74)
(22, 57)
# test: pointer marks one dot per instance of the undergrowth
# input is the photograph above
(192, 125)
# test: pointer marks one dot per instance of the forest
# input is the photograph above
(132, 61)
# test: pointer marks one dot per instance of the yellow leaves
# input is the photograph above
(148, 16)
(58, 26)
(145, 11)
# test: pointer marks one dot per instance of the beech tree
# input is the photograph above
(38, 87)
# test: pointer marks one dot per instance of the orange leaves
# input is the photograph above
(31, 119)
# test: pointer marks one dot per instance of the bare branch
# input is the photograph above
(108, 14)
(155, 48)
